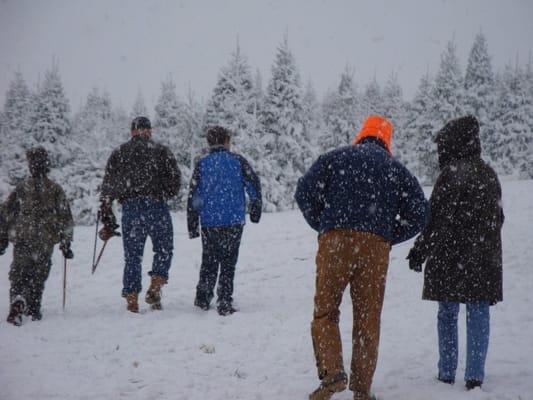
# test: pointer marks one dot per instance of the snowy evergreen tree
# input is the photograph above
(418, 131)
(312, 118)
(394, 108)
(372, 100)
(513, 118)
(139, 107)
(94, 132)
(16, 136)
(479, 92)
(448, 103)
(51, 126)
(233, 104)
(167, 123)
(341, 115)
(172, 127)
(258, 91)
(286, 149)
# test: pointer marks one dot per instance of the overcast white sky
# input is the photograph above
(127, 45)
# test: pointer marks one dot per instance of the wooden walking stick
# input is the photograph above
(99, 256)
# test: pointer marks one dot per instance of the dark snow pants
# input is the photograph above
(142, 218)
(220, 247)
(28, 274)
(359, 259)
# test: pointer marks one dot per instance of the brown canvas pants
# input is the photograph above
(360, 259)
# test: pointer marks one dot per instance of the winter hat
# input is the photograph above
(140, 123)
(458, 139)
(378, 127)
(38, 161)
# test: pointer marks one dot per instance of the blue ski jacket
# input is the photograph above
(362, 187)
(217, 191)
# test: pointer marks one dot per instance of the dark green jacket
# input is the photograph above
(37, 211)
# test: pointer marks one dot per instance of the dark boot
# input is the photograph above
(225, 308)
(132, 302)
(153, 294)
(363, 396)
(15, 312)
(329, 386)
(201, 303)
(34, 314)
(444, 380)
(472, 384)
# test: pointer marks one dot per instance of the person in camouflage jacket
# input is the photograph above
(35, 217)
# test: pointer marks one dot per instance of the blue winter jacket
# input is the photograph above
(217, 191)
(364, 188)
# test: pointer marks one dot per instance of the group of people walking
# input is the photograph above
(359, 199)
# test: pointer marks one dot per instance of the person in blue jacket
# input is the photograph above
(361, 201)
(217, 203)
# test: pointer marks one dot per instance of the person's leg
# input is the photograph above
(162, 236)
(230, 242)
(367, 290)
(448, 340)
(19, 275)
(332, 276)
(41, 271)
(134, 233)
(477, 340)
(208, 269)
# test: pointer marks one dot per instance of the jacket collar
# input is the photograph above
(217, 148)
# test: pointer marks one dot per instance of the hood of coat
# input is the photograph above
(457, 140)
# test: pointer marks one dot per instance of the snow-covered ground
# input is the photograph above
(95, 349)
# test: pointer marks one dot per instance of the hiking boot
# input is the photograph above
(363, 396)
(153, 294)
(15, 312)
(472, 384)
(204, 305)
(445, 380)
(328, 387)
(132, 302)
(35, 315)
(225, 309)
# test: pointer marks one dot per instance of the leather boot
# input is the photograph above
(132, 301)
(329, 386)
(153, 294)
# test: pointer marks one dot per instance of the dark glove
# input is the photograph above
(194, 234)
(3, 246)
(107, 232)
(255, 212)
(66, 250)
(415, 260)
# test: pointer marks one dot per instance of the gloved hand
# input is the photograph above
(255, 212)
(107, 232)
(3, 246)
(66, 250)
(194, 234)
(415, 260)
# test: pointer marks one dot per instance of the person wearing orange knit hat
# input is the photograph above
(378, 127)
(361, 201)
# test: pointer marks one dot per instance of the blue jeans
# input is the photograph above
(477, 339)
(142, 218)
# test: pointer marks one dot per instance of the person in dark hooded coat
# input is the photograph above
(461, 246)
